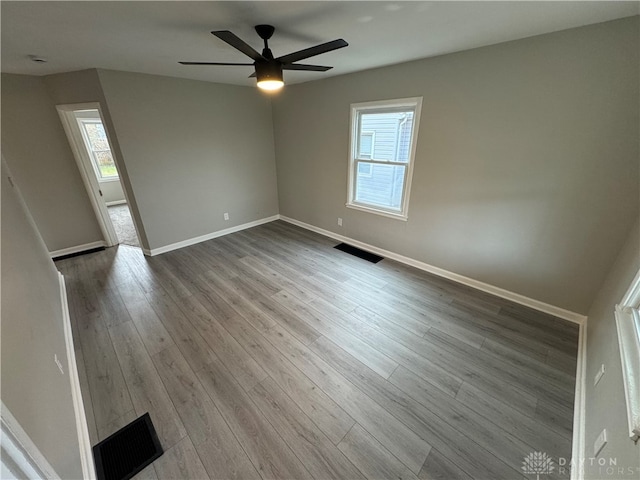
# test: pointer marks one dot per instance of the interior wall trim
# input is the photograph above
(115, 202)
(86, 454)
(470, 282)
(578, 447)
(78, 249)
(19, 454)
(208, 236)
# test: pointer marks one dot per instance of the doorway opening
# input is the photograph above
(89, 140)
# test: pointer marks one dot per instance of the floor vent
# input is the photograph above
(368, 256)
(128, 451)
(77, 254)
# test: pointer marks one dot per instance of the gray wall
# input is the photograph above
(36, 148)
(193, 151)
(605, 406)
(526, 173)
(84, 87)
(33, 388)
(112, 191)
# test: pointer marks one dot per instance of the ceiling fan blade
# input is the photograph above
(310, 68)
(312, 51)
(213, 63)
(237, 43)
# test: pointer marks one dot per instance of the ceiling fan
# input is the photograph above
(268, 70)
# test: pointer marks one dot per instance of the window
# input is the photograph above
(383, 140)
(627, 314)
(97, 143)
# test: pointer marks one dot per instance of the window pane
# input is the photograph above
(365, 168)
(97, 136)
(105, 164)
(366, 145)
(390, 133)
(383, 187)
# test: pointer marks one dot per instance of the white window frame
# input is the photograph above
(413, 103)
(94, 161)
(627, 314)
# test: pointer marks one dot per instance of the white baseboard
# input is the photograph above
(208, 236)
(115, 202)
(485, 287)
(86, 455)
(578, 452)
(77, 249)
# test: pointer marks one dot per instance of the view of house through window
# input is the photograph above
(381, 160)
(96, 139)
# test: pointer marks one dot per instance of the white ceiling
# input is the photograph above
(152, 36)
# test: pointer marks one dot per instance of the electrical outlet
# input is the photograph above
(598, 375)
(226, 216)
(600, 442)
(55, 359)
(339, 222)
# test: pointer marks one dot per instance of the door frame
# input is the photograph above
(20, 454)
(83, 161)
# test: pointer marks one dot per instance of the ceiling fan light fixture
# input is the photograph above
(269, 76)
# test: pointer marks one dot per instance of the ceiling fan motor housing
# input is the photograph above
(268, 71)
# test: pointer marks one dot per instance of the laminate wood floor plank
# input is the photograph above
(140, 268)
(270, 350)
(378, 362)
(87, 403)
(373, 460)
(439, 467)
(412, 309)
(199, 415)
(436, 418)
(180, 461)
(530, 430)
(328, 416)
(419, 363)
(147, 391)
(339, 261)
(562, 361)
(282, 281)
(152, 332)
(507, 448)
(566, 342)
(170, 282)
(267, 451)
(108, 389)
(542, 320)
(394, 435)
(117, 424)
(191, 344)
(558, 418)
(243, 367)
(301, 330)
(535, 383)
(297, 256)
(550, 374)
(149, 473)
(321, 457)
(220, 451)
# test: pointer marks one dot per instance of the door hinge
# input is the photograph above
(100, 193)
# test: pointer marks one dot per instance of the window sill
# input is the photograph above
(109, 180)
(384, 213)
